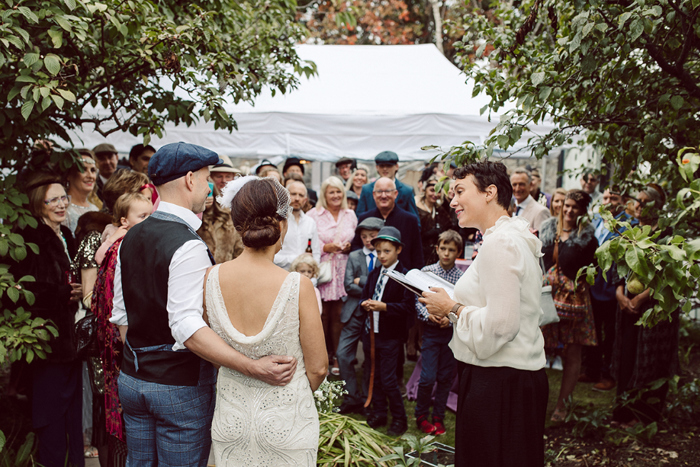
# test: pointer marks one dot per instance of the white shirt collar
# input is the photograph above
(367, 251)
(393, 266)
(525, 202)
(104, 180)
(183, 213)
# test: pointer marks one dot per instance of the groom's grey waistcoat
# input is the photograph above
(145, 256)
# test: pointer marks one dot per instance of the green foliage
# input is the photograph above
(346, 441)
(116, 64)
(24, 456)
(410, 443)
(119, 66)
(328, 395)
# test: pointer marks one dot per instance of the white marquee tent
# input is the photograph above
(365, 99)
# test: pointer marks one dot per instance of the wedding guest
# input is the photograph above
(497, 341)
(557, 201)
(218, 232)
(81, 189)
(139, 156)
(387, 163)
(525, 204)
(389, 310)
(107, 160)
(644, 354)
(223, 173)
(538, 195)
(294, 166)
(56, 388)
(343, 168)
(336, 228)
(433, 220)
(568, 244)
(360, 264)
(352, 200)
(589, 183)
(357, 180)
(302, 233)
(306, 265)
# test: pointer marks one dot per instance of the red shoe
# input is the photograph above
(604, 385)
(424, 425)
(439, 426)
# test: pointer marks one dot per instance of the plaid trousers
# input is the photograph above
(166, 425)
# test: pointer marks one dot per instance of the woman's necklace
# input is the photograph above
(566, 230)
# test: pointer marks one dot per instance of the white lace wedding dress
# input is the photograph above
(256, 424)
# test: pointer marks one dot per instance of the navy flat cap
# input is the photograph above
(386, 157)
(370, 223)
(174, 160)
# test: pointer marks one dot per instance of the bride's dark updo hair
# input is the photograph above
(254, 213)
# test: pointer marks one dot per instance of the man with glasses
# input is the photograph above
(385, 195)
(387, 163)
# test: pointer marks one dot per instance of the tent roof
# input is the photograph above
(364, 100)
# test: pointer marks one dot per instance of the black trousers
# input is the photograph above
(500, 417)
(597, 358)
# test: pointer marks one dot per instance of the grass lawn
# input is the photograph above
(583, 394)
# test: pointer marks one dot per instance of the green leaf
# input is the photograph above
(70, 4)
(24, 79)
(67, 95)
(56, 37)
(636, 28)
(503, 141)
(623, 18)
(29, 14)
(30, 58)
(53, 64)
(537, 78)
(63, 23)
(58, 100)
(13, 294)
(27, 108)
(677, 102)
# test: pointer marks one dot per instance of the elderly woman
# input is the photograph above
(82, 189)
(568, 244)
(497, 341)
(56, 381)
(643, 355)
(336, 228)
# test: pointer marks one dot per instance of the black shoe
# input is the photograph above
(347, 409)
(397, 428)
(376, 421)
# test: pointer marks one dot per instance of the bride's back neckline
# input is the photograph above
(223, 314)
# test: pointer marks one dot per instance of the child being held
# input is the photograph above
(390, 310)
(306, 265)
(438, 362)
(129, 210)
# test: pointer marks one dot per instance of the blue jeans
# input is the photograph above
(439, 365)
(166, 425)
(386, 383)
(346, 353)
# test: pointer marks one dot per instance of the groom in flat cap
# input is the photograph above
(167, 378)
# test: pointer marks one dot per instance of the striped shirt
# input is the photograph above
(451, 276)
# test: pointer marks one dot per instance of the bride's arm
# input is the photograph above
(313, 343)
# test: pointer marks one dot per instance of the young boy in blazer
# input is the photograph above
(390, 310)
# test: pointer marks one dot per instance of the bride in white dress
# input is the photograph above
(260, 309)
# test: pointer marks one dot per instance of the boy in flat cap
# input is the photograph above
(389, 310)
(167, 380)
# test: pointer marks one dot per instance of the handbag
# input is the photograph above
(325, 271)
(86, 337)
(570, 298)
(549, 311)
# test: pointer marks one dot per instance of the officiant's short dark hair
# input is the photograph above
(254, 213)
(488, 173)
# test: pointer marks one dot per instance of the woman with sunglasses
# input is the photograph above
(56, 387)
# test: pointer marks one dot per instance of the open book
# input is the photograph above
(418, 281)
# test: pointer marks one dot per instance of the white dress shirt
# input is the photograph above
(383, 279)
(522, 205)
(501, 291)
(187, 268)
(297, 239)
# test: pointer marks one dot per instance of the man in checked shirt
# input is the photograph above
(438, 362)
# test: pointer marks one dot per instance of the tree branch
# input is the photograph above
(686, 80)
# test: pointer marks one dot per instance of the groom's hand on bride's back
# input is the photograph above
(276, 370)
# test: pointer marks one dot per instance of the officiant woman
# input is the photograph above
(497, 341)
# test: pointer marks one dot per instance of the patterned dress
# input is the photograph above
(329, 231)
(256, 423)
(108, 340)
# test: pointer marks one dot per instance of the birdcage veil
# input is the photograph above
(234, 186)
